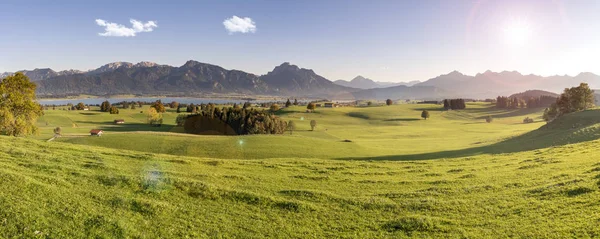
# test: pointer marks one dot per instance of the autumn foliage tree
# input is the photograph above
(18, 109)
(158, 105)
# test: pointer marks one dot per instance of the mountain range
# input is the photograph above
(287, 80)
(361, 82)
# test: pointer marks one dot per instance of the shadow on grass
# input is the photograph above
(513, 113)
(130, 127)
(403, 119)
(568, 129)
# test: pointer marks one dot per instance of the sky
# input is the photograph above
(382, 40)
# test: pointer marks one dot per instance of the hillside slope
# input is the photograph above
(57, 190)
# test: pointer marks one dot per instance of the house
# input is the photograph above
(96, 132)
(329, 105)
(119, 121)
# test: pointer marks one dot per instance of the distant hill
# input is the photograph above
(403, 92)
(288, 79)
(491, 84)
(361, 82)
(533, 94)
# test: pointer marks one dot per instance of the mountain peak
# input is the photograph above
(145, 64)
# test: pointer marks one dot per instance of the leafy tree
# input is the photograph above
(114, 110)
(369, 103)
(57, 132)
(295, 101)
(425, 114)
(125, 105)
(105, 106)
(174, 105)
(18, 109)
(274, 107)
(389, 102)
(489, 119)
(313, 124)
(158, 105)
(246, 105)
(153, 116)
(311, 106)
(178, 109)
(180, 120)
(288, 103)
(571, 100)
(133, 106)
(291, 126)
(80, 106)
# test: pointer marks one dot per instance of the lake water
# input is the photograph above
(181, 100)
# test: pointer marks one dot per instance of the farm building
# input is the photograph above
(96, 132)
(119, 121)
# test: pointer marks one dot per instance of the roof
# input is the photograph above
(95, 131)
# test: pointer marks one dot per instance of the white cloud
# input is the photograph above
(238, 24)
(118, 30)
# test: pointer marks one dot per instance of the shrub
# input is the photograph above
(527, 120)
(274, 107)
(489, 119)
(313, 124)
(389, 102)
(425, 114)
(114, 110)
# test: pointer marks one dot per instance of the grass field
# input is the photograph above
(451, 176)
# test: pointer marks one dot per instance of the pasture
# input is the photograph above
(450, 176)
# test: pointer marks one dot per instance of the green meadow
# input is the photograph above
(450, 176)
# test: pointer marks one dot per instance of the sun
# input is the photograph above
(517, 32)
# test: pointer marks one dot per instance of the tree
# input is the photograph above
(57, 132)
(180, 120)
(153, 117)
(291, 126)
(274, 107)
(158, 105)
(133, 106)
(489, 119)
(295, 101)
(369, 103)
(105, 106)
(313, 124)
(571, 100)
(425, 114)
(389, 102)
(288, 103)
(311, 106)
(125, 105)
(18, 109)
(80, 106)
(174, 105)
(178, 109)
(446, 104)
(114, 110)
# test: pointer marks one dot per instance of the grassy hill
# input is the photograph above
(62, 190)
(374, 131)
(449, 176)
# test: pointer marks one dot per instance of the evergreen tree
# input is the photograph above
(288, 103)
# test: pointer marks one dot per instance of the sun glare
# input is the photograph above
(517, 32)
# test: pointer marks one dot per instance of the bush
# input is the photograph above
(489, 119)
(527, 120)
(313, 124)
(274, 107)
(425, 114)
(114, 110)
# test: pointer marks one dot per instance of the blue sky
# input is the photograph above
(382, 40)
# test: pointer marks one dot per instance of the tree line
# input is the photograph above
(210, 119)
(454, 104)
(504, 102)
(571, 100)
